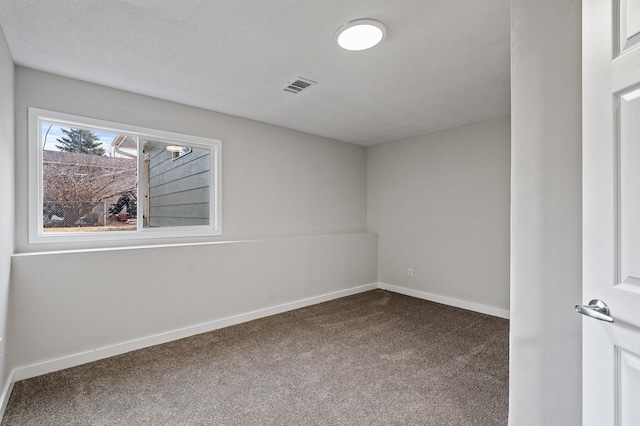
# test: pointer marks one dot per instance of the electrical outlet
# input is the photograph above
(410, 272)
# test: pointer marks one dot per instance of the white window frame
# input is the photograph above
(36, 234)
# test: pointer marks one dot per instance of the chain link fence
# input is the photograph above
(65, 214)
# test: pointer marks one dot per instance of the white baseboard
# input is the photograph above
(6, 393)
(26, 372)
(49, 366)
(477, 307)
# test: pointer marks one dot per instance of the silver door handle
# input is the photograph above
(596, 309)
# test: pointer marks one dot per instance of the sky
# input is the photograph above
(55, 132)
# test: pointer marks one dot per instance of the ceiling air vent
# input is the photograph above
(298, 84)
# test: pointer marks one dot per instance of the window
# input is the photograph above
(94, 180)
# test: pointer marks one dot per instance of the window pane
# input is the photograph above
(176, 184)
(88, 180)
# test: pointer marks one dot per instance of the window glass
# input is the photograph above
(88, 183)
(176, 184)
(96, 179)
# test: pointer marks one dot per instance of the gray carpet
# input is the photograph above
(376, 358)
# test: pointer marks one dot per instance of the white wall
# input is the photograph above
(277, 184)
(440, 205)
(545, 355)
(71, 303)
(6, 203)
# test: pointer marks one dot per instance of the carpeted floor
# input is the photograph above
(376, 358)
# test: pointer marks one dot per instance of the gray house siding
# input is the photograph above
(178, 188)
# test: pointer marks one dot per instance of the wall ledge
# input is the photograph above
(147, 246)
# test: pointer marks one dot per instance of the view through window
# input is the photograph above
(88, 181)
(94, 179)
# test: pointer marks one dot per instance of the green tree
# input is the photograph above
(79, 140)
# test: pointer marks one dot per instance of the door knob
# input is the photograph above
(595, 309)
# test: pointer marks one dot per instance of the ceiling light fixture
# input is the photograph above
(360, 34)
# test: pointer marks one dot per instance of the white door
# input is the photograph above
(611, 211)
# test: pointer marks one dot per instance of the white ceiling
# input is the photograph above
(444, 63)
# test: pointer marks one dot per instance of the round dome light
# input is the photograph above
(360, 34)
